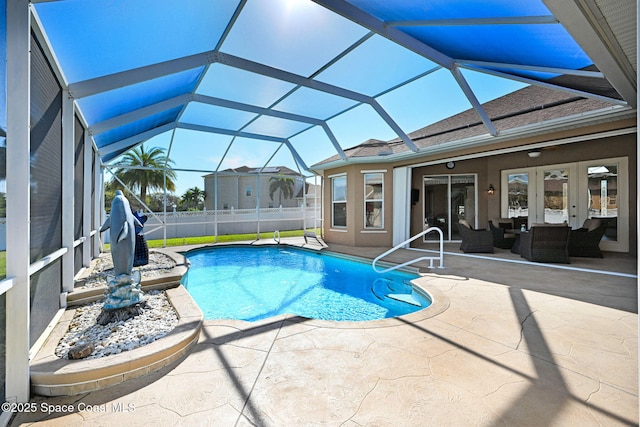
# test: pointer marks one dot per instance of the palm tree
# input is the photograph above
(284, 185)
(144, 179)
(193, 197)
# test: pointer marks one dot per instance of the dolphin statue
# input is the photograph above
(122, 234)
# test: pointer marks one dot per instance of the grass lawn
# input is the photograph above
(203, 240)
(3, 264)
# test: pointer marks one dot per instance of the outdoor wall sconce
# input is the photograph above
(535, 153)
(491, 190)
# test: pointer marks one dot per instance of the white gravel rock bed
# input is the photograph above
(158, 319)
(158, 264)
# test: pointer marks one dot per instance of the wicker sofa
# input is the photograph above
(546, 243)
(475, 240)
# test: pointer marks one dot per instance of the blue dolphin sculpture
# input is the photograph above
(122, 234)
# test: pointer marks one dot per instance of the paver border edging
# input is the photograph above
(52, 376)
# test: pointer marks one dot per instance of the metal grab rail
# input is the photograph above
(401, 245)
(276, 233)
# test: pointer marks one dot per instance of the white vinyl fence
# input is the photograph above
(218, 223)
(230, 221)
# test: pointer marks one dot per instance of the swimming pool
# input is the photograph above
(257, 282)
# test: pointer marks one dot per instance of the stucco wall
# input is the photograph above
(232, 191)
(488, 170)
(355, 234)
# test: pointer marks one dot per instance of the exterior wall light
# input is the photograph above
(491, 190)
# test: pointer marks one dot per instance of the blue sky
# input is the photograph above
(437, 97)
(105, 36)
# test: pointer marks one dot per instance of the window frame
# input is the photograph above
(366, 201)
(334, 201)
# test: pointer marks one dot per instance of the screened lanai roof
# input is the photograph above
(305, 80)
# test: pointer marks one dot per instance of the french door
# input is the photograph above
(571, 193)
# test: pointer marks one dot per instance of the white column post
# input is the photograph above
(68, 175)
(164, 206)
(18, 202)
(98, 206)
(215, 205)
(401, 203)
(257, 205)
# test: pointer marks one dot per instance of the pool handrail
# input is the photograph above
(276, 233)
(406, 242)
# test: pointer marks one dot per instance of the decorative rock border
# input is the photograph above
(162, 281)
(52, 376)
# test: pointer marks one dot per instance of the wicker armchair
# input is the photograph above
(501, 239)
(585, 241)
(475, 240)
(546, 243)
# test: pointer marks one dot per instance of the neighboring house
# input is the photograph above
(556, 157)
(243, 187)
(313, 196)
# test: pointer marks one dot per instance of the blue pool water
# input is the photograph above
(252, 283)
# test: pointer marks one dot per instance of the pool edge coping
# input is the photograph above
(439, 301)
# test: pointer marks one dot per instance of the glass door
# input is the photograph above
(605, 200)
(436, 212)
(448, 199)
(516, 197)
(572, 193)
(463, 203)
(556, 203)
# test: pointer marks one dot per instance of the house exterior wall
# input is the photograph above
(356, 234)
(232, 191)
(488, 170)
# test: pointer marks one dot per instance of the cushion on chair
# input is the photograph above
(591, 224)
(505, 223)
(465, 223)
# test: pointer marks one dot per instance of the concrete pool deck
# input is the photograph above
(516, 344)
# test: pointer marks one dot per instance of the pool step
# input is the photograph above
(406, 298)
(381, 287)
(388, 289)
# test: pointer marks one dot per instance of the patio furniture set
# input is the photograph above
(540, 243)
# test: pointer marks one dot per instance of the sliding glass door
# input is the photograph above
(448, 199)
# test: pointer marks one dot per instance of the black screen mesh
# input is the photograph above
(45, 298)
(46, 165)
(46, 187)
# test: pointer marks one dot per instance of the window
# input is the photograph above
(339, 201)
(373, 200)
(518, 194)
(247, 191)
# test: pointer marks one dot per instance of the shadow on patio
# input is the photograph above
(518, 345)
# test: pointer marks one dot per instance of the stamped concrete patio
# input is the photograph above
(508, 344)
